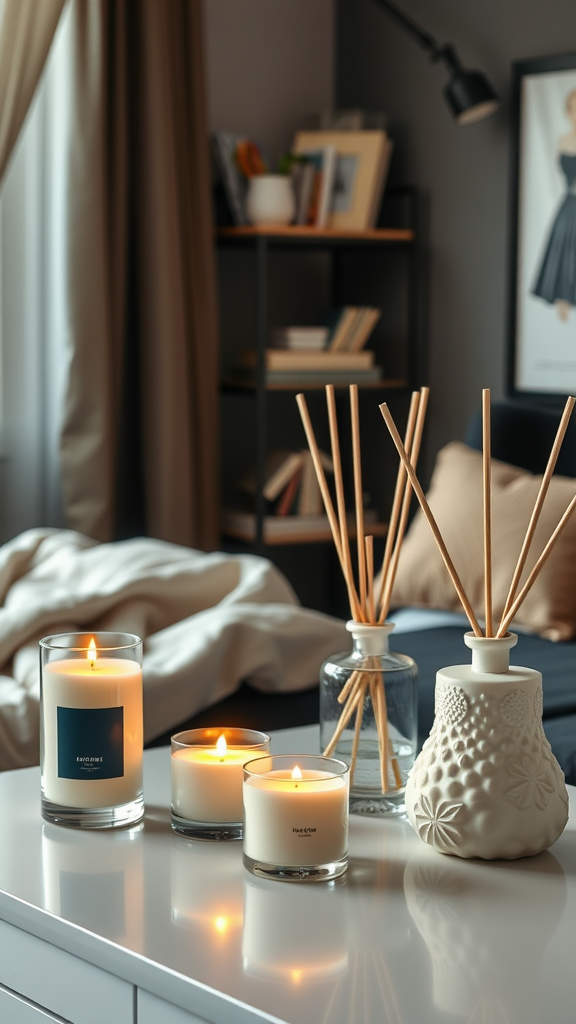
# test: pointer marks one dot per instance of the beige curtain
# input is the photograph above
(139, 443)
(27, 28)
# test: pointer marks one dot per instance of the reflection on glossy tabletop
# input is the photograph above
(408, 936)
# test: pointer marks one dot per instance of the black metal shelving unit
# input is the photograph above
(267, 241)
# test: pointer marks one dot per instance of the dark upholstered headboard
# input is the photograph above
(523, 436)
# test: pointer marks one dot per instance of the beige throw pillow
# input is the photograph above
(455, 498)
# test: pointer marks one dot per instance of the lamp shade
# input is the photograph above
(470, 96)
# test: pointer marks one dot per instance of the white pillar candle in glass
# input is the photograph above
(91, 735)
(207, 773)
(296, 817)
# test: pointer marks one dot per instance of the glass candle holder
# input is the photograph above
(207, 775)
(296, 817)
(91, 731)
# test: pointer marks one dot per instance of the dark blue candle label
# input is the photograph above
(90, 743)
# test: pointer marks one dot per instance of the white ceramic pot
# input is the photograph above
(486, 783)
(270, 199)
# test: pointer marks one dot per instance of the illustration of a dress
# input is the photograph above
(556, 280)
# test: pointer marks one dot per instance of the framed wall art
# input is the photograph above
(542, 301)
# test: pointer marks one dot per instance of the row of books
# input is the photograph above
(293, 499)
(346, 329)
(290, 483)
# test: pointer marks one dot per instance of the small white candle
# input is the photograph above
(207, 773)
(296, 817)
(88, 760)
(207, 782)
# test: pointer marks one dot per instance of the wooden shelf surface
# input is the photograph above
(381, 385)
(312, 536)
(299, 232)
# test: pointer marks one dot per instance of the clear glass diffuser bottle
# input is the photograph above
(385, 686)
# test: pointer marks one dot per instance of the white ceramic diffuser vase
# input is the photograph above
(486, 783)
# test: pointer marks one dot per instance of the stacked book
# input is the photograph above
(330, 354)
(293, 367)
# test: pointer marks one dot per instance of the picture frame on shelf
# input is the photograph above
(542, 276)
(361, 167)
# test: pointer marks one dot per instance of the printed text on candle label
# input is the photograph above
(304, 831)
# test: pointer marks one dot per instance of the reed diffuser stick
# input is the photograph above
(487, 491)
(382, 730)
(358, 495)
(314, 451)
(562, 427)
(357, 613)
(347, 712)
(431, 520)
(388, 582)
(503, 629)
(351, 683)
(399, 493)
(369, 545)
(358, 728)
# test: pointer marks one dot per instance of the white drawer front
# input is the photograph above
(16, 1010)
(152, 1010)
(64, 984)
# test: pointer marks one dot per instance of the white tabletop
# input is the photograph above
(407, 937)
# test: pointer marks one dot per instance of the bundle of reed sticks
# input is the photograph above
(515, 596)
(366, 606)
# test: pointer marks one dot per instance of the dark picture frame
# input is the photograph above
(542, 298)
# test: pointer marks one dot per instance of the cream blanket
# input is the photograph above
(209, 621)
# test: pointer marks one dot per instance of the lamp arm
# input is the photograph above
(426, 41)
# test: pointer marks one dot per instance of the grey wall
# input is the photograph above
(462, 171)
(269, 62)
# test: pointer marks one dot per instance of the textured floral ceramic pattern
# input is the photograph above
(486, 783)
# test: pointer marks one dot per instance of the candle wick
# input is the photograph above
(221, 760)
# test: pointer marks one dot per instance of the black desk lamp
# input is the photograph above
(468, 93)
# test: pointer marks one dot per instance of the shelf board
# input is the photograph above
(304, 233)
(314, 535)
(381, 385)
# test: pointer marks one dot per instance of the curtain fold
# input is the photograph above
(27, 29)
(139, 442)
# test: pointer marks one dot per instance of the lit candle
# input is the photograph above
(207, 775)
(296, 816)
(92, 732)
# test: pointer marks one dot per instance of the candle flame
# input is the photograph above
(296, 773)
(221, 925)
(296, 976)
(221, 746)
(91, 655)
